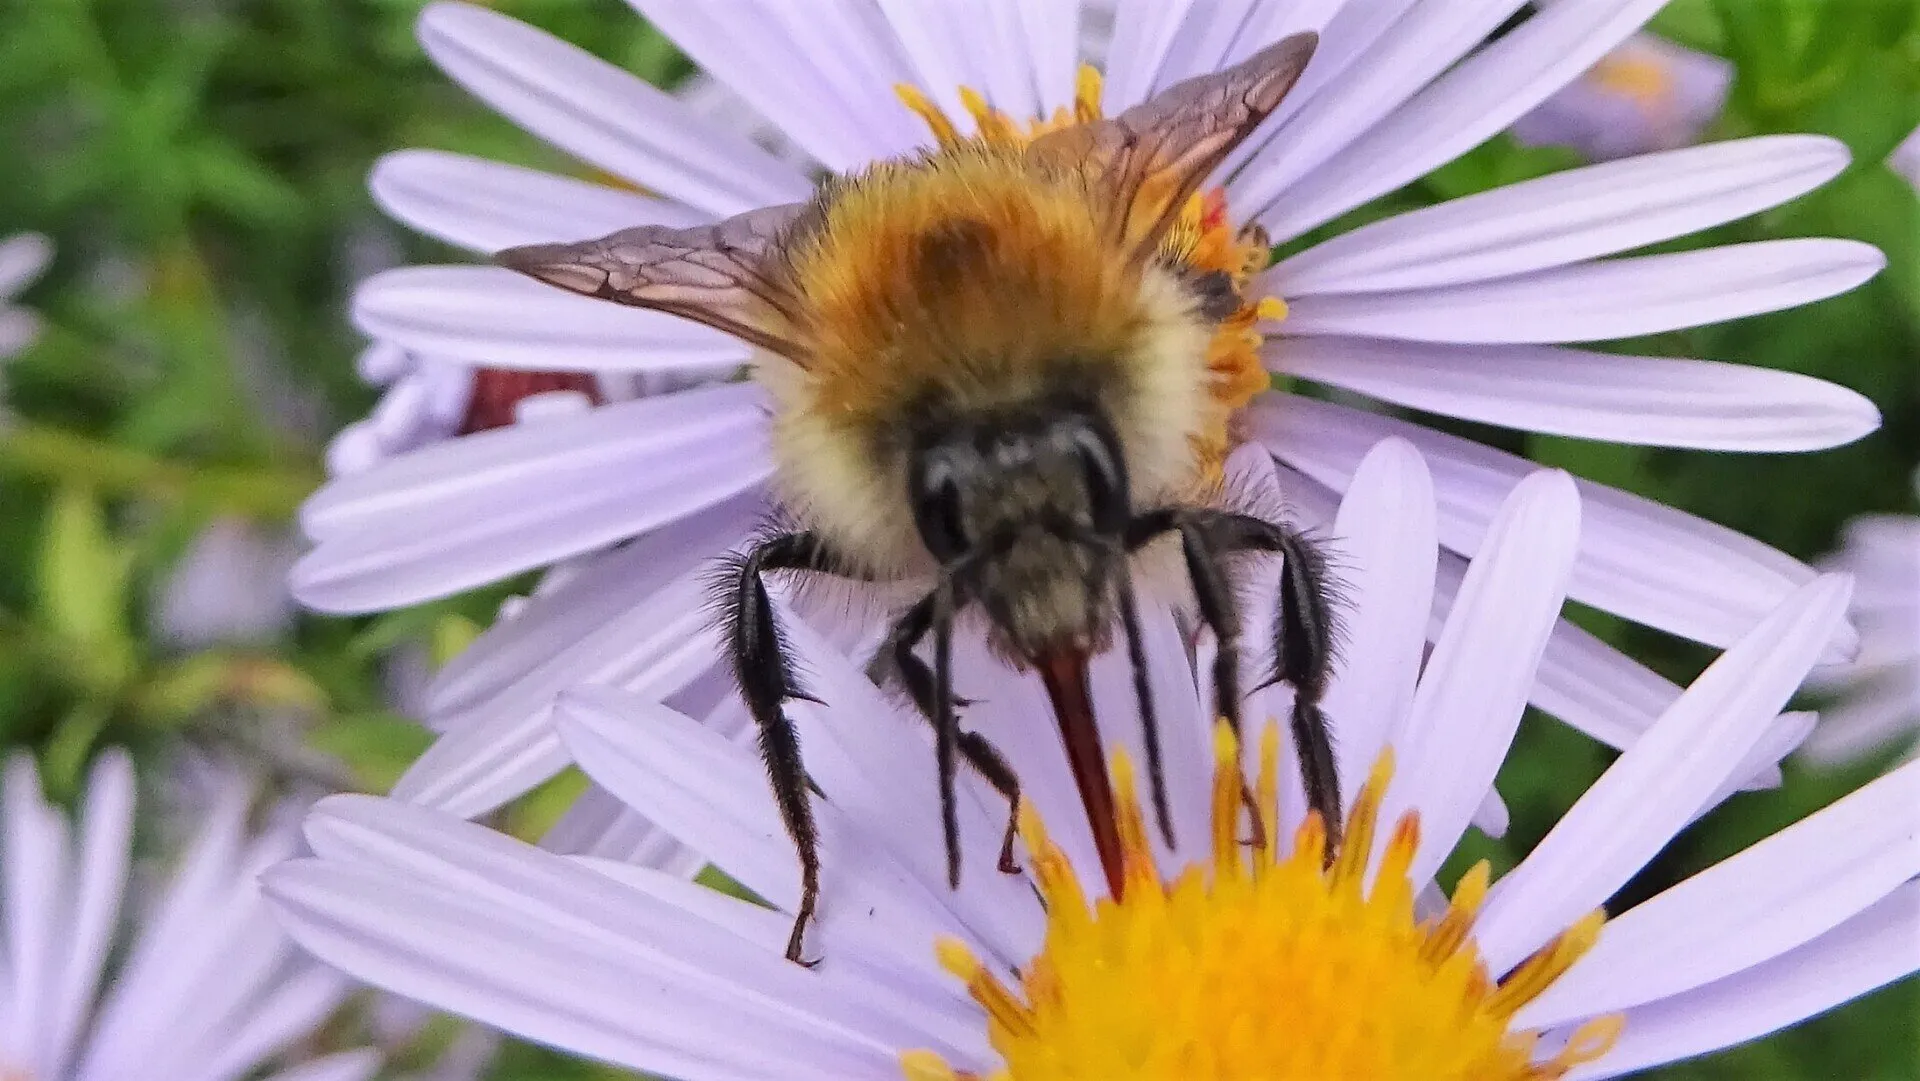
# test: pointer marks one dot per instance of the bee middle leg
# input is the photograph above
(763, 669)
(1303, 632)
(933, 697)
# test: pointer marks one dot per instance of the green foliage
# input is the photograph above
(201, 169)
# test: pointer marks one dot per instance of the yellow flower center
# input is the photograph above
(1280, 968)
(1643, 78)
(1204, 238)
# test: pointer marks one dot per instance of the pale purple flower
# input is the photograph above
(1647, 95)
(1905, 158)
(104, 980)
(627, 964)
(1462, 309)
(229, 586)
(1876, 698)
(22, 258)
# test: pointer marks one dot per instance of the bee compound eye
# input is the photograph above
(1106, 479)
(937, 512)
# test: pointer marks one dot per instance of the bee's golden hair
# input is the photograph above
(972, 280)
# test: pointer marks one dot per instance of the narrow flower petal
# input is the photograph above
(478, 509)
(1868, 951)
(36, 847)
(1204, 39)
(1658, 785)
(1051, 37)
(1143, 31)
(556, 621)
(276, 1020)
(1461, 109)
(602, 115)
(346, 1066)
(1619, 399)
(576, 960)
(504, 746)
(491, 317)
(1641, 560)
(1424, 41)
(22, 259)
(105, 841)
(484, 205)
(1384, 540)
(770, 56)
(1777, 895)
(1564, 217)
(598, 827)
(1612, 298)
(1470, 700)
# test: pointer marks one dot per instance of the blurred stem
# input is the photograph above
(52, 453)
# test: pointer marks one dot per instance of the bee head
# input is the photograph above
(1027, 511)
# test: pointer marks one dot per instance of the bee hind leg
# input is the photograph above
(763, 668)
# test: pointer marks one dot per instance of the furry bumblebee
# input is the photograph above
(987, 369)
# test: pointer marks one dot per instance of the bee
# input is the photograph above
(987, 372)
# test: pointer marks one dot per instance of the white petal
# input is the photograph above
(22, 257)
(274, 1021)
(1658, 785)
(1203, 41)
(1618, 399)
(504, 746)
(1611, 298)
(36, 891)
(1874, 948)
(1462, 108)
(1051, 38)
(712, 793)
(569, 959)
(105, 838)
(491, 317)
(1475, 686)
(1871, 716)
(1385, 548)
(557, 621)
(1646, 562)
(484, 205)
(599, 828)
(822, 79)
(1421, 43)
(603, 115)
(1564, 218)
(1775, 896)
(1143, 31)
(345, 1066)
(477, 509)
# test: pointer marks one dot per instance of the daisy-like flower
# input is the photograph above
(22, 258)
(202, 987)
(230, 586)
(1877, 696)
(1218, 961)
(1461, 309)
(1647, 95)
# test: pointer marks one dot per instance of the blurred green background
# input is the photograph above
(200, 167)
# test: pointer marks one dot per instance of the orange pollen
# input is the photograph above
(1181, 978)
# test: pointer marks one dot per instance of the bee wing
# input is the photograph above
(714, 274)
(1149, 159)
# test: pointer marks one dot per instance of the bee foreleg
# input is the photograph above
(763, 668)
(935, 701)
(1149, 720)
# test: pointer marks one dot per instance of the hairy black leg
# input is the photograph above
(1149, 721)
(1303, 645)
(945, 728)
(897, 661)
(764, 671)
(1213, 594)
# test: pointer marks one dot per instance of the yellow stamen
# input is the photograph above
(1263, 964)
(1203, 238)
